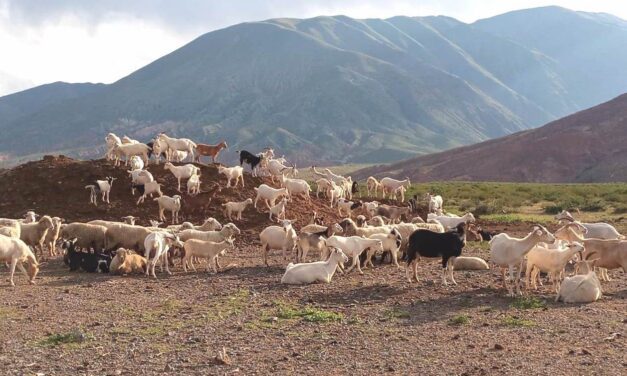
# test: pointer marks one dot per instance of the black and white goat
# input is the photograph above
(88, 261)
(100, 186)
(447, 245)
(254, 161)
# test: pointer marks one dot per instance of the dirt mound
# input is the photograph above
(55, 185)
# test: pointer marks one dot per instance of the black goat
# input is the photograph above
(89, 262)
(413, 203)
(250, 158)
(426, 243)
(355, 188)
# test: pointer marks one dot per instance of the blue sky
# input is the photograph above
(103, 41)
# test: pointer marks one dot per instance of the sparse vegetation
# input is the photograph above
(459, 320)
(75, 336)
(309, 314)
(528, 302)
(517, 322)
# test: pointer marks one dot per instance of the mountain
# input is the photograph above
(588, 146)
(337, 89)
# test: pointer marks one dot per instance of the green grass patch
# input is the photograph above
(73, 337)
(517, 322)
(528, 302)
(309, 314)
(459, 320)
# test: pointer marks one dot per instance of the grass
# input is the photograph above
(528, 302)
(73, 337)
(396, 313)
(517, 322)
(460, 320)
(309, 314)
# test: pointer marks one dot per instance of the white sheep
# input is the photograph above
(509, 252)
(181, 172)
(34, 234)
(581, 288)
(229, 230)
(268, 194)
(551, 261)
(136, 163)
(278, 237)
(100, 186)
(370, 208)
(232, 173)
(159, 242)
(172, 204)
(236, 207)
(353, 246)
(278, 210)
(206, 249)
(470, 263)
(193, 185)
(52, 235)
(16, 252)
(30, 217)
(319, 271)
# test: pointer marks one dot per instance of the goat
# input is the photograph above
(278, 210)
(181, 172)
(391, 185)
(353, 246)
(319, 271)
(159, 243)
(172, 204)
(269, 194)
(278, 237)
(236, 207)
(597, 230)
(206, 249)
(311, 238)
(232, 173)
(147, 189)
(16, 252)
(100, 186)
(372, 186)
(203, 150)
(434, 202)
(252, 160)
(447, 245)
(552, 261)
(178, 144)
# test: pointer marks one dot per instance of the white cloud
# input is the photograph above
(102, 41)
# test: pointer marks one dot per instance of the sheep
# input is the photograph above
(584, 287)
(312, 238)
(203, 150)
(34, 234)
(551, 261)
(88, 235)
(353, 246)
(269, 194)
(376, 221)
(129, 219)
(296, 187)
(470, 263)
(172, 204)
(16, 252)
(136, 163)
(434, 202)
(598, 230)
(323, 185)
(210, 224)
(278, 210)
(127, 262)
(193, 185)
(30, 217)
(159, 243)
(435, 227)
(417, 220)
(319, 271)
(229, 230)
(391, 243)
(452, 222)
(232, 173)
(278, 237)
(346, 206)
(111, 140)
(52, 236)
(448, 245)
(126, 236)
(370, 208)
(254, 161)
(509, 252)
(129, 150)
(373, 186)
(10, 227)
(208, 250)
(177, 144)
(394, 213)
(181, 172)
(100, 186)
(236, 207)
(391, 185)
(147, 189)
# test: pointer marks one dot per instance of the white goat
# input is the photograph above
(111, 140)
(232, 173)
(278, 237)
(434, 203)
(206, 249)
(147, 189)
(278, 210)
(129, 150)
(373, 186)
(139, 177)
(389, 185)
(100, 186)
(319, 271)
(452, 222)
(15, 251)
(323, 185)
(509, 252)
(172, 204)
(599, 230)
(136, 163)
(181, 172)
(176, 144)
(353, 246)
(159, 242)
(236, 207)
(296, 187)
(193, 185)
(269, 195)
(581, 288)
(551, 261)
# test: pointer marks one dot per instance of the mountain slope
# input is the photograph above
(588, 146)
(336, 89)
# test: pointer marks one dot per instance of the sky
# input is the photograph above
(43, 41)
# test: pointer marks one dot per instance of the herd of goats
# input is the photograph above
(379, 229)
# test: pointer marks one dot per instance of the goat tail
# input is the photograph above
(91, 186)
(411, 255)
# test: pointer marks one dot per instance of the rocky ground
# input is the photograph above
(242, 320)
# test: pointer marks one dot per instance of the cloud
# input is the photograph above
(102, 41)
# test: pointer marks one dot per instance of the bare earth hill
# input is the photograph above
(588, 146)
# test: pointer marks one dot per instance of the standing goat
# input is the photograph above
(100, 186)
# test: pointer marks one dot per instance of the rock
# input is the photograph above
(168, 368)
(585, 352)
(498, 347)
